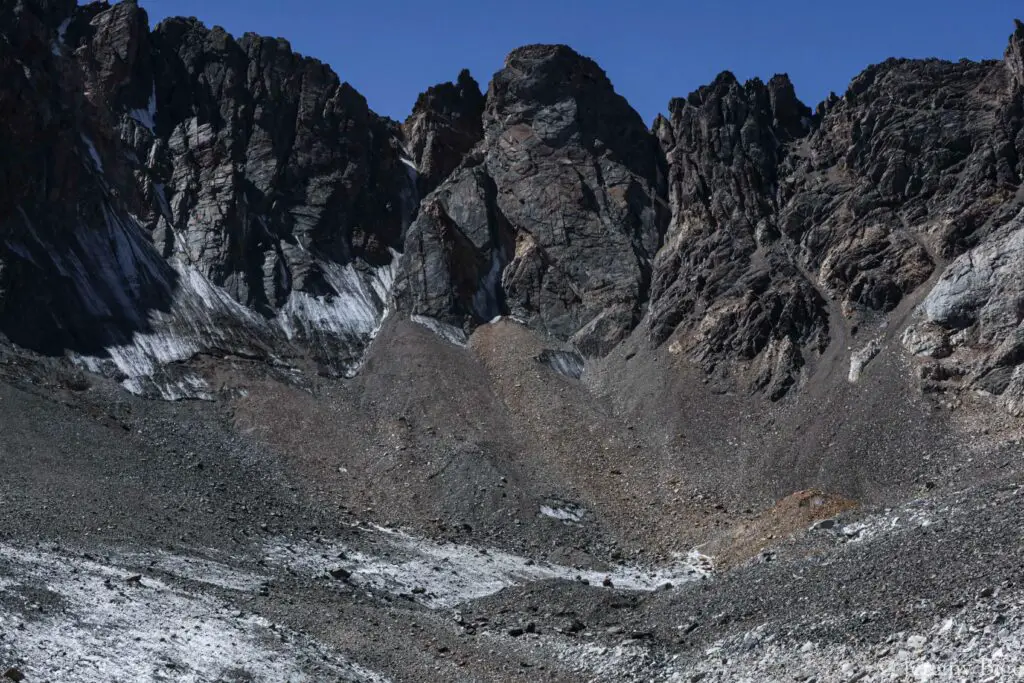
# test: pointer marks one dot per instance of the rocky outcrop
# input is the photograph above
(790, 229)
(967, 334)
(197, 193)
(787, 224)
(971, 330)
(725, 285)
(283, 187)
(554, 218)
(223, 194)
(446, 122)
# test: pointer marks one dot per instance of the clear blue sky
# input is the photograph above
(390, 50)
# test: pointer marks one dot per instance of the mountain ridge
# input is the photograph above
(520, 355)
(238, 270)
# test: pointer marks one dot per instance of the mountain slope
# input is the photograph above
(476, 386)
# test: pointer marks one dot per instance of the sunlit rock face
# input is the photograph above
(176, 191)
(554, 217)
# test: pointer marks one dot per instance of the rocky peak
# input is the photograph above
(723, 288)
(541, 74)
(849, 216)
(444, 125)
(726, 119)
(295, 126)
(246, 197)
(1015, 54)
(553, 219)
(560, 94)
(118, 52)
(235, 182)
(791, 117)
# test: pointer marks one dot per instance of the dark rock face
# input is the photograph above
(1015, 55)
(554, 219)
(281, 185)
(63, 226)
(725, 283)
(446, 122)
(193, 192)
(238, 190)
(787, 225)
(309, 170)
(788, 229)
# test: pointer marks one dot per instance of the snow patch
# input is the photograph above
(189, 387)
(908, 517)
(567, 363)
(561, 513)
(624, 662)
(195, 569)
(450, 333)
(350, 317)
(196, 321)
(441, 575)
(96, 625)
(964, 648)
(147, 117)
(93, 154)
(62, 30)
(859, 359)
(57, 46)
(355, 309)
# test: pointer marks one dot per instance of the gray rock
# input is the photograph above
(927, 340)
(445, 124)
(972, 316)
(1015, 55)
(723, 284)
(221, 195)
(556, 216)
(982, 286)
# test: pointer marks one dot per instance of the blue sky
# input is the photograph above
(390, 50)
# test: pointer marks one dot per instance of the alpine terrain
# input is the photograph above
(518, 389)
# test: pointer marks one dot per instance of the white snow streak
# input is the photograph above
(57, 46)
(355, 309)
(450, 333)
(561, 514)
(147, 117)
(62, 30)
(447, 574)
(97, 162)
